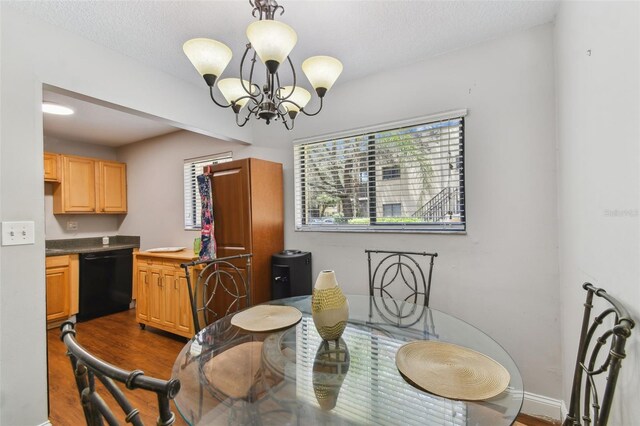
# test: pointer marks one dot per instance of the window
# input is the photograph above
(399, 178)
(192, 168)
(392, 210)
(391, 172)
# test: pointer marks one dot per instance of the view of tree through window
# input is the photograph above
(345, 183)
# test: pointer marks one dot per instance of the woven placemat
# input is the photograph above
(451, 371)
(263, 318)
(235, 371)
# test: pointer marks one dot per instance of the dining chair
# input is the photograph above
(88, 367)
(221, 287)
(613, 324)
(399, 275)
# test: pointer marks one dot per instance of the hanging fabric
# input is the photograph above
(207, 237)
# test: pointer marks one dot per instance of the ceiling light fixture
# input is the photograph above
(271, 41)
(56, 109)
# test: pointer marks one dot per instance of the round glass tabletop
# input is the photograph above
(292, 376)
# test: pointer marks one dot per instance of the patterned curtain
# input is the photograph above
(207, 237)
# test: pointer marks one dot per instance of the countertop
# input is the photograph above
(89, 245)
(186, 254)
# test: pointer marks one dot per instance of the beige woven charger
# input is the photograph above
(451, 371)
(262, 318)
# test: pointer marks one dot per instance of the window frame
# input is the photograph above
(193, 197)
(300, 224)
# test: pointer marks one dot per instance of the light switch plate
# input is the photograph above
(17, 233)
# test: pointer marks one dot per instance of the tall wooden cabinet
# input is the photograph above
(248, 211)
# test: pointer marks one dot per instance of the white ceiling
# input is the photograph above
(98, 124)
(367, 36)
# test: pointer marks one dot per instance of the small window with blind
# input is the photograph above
(192, 204)
(402, 178)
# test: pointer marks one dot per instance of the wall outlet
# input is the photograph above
(72, 226)
(17, 233)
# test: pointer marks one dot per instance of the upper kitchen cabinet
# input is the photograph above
(112, 187)
(90, 185)
(76, 192)
(51, 167)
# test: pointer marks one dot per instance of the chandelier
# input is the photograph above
(271, 41)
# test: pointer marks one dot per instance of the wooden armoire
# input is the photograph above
(248, 210)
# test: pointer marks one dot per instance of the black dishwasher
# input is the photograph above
(105, 283)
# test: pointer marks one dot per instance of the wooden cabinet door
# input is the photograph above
(79, 185)
(51, 167)
(185, 318)
(170, 293)
(232, 207)
(57, 293)
(156, 296)
(142, 298)
(112, 187)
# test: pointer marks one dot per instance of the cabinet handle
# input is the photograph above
(146, 279)
(175, 283)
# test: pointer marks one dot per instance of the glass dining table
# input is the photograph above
(291, 376)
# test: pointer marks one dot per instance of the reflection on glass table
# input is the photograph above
(231, 376)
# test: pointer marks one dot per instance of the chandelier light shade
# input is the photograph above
(272, 42)
(322, 72)
(233, 91)
(296, 100)
(208, 56)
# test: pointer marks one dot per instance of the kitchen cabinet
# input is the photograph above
(51, 167)
(112, 187)
(76, 192)
(62, 287)
(90, 185)
(249, 217)
(162, 299)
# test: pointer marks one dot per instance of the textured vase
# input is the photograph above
(330, 367)
(329, 307)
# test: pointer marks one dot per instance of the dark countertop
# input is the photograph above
(89, 245)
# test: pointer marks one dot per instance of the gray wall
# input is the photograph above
(89, 225)
(503, 275)
(599, 173)
(32, 54)
(155, 183)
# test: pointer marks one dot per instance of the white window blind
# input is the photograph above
(192, 204)
(344, 184)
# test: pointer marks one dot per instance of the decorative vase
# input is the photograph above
(329, 306)
(330, 367)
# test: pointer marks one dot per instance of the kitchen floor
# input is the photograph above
(119, 340)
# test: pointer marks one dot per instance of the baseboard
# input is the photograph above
(564, 410)
(47, 423)
(543, 406)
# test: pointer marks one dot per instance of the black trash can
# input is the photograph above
(290, 274)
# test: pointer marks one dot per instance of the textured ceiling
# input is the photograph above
(367, 36)
(98, 124)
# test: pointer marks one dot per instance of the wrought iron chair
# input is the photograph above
(87, 367)
(221, 288)
(586, 406)
(403, 268)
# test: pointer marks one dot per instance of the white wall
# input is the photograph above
(503, 275)
(32, 54)
(155, 183)
(599, 173)
(89, 225)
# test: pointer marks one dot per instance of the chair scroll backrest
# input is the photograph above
(221, 287)
(613, 324)
(403, 271)
(87, 367)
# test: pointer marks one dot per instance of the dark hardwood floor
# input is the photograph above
(118, 339)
